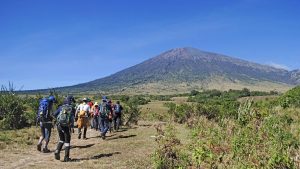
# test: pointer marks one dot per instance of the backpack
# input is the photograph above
(63, 118)
(117, 108)
(96, 111)
(43, 113)
(104, 111)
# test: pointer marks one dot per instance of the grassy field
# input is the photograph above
(130, 148)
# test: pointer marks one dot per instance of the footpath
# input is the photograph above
(127, 148)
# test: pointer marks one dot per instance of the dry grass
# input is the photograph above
(130, 148)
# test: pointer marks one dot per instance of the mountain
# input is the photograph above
(185, 69)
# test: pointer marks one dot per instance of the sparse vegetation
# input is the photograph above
(223, 128)
(228, 133)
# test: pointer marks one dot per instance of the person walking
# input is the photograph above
(72, 101)
(117, 115)
(95, 116)
(44, 119)
(110, 115)
(64, 120)
(103, 118)
(82, 112)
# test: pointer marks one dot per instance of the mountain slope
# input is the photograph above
(189, 68)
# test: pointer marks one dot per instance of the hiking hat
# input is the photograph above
(52, 98)
(84, 99)
(96, 104)
(71, 98)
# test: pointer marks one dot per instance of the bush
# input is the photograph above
(169, 153)
(132, 112)
(11, 109)
(291, 98)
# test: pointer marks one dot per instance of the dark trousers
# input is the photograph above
(117, 121)
(64, 134)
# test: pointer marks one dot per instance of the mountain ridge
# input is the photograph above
(189, 66)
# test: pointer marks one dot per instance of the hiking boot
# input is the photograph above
(84, 138)
(84, 133)
(79, 136)
(67, 159)
(103, 136)
(58, 149)
(67, 154)
(57, 155)
(39, 147)
(46, 150)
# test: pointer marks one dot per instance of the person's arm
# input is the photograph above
(55, 114)
(77, 110)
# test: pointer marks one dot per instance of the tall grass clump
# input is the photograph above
(12, 108)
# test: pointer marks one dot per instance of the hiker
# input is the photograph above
(110, 115)
(91, 104)
(103, 118)
(117, 115)
(95, 116)
(72, 101)
(64, 121)
(44, 118)
(82, 112)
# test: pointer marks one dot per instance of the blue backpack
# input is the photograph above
(117, 108)
(43, 113)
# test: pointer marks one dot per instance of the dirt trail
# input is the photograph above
(128, 148)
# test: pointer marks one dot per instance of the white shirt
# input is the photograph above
(85, 107)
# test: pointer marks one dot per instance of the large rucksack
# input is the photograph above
(104, 110)
(63, 118)
(43, 113)
(117, 108)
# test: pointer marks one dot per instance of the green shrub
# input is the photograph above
(11, 109)
(169, 153)
(291, 98)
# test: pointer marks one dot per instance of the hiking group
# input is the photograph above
(100, 117)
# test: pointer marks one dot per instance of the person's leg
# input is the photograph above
(79, 133)
(67, 135)
(60, 143)
(92, 122)
(99, 124)
(102, 126)
(39, 145)
(106, 127)
(48, 128)
(118, 120)
(79, 123)
(115, 122)
(84, 132)
(96, 122)
(85, 126)
(110, 125)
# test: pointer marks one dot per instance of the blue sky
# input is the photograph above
(51, 43)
